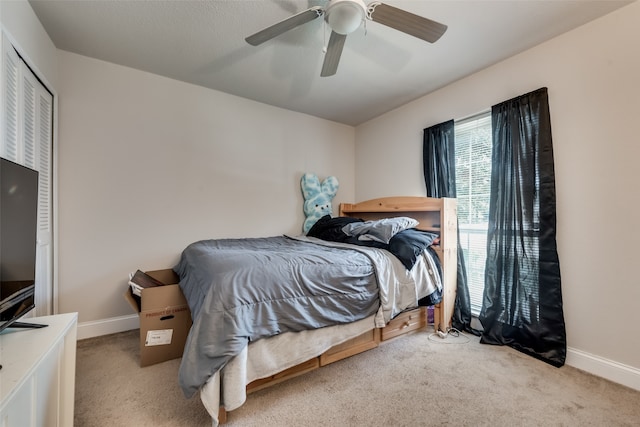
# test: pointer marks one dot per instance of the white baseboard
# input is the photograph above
(108, 326)
(604, 368)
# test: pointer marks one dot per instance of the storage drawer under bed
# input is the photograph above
(405, 322)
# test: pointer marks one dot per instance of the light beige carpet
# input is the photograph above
(416, 380)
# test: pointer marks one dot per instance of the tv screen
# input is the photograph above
(18, 230)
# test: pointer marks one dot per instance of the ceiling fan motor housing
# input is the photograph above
(345, 16)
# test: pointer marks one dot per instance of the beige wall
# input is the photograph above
(148, 165)
(592, 74)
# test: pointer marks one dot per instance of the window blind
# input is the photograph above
(473, 186)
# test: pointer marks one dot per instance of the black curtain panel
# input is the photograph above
(522, 301)
(439, 161)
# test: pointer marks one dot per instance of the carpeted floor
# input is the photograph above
(416, 380)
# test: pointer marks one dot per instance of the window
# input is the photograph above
(473, 187)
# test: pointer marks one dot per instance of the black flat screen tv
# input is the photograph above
(18, 230)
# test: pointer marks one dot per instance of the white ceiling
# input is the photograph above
(202, 42)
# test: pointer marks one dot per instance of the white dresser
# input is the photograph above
(37, 379)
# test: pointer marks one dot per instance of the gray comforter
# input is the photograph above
(242, 290)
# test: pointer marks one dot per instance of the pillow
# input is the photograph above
(327, 228)
(381, 230)
(407, 245)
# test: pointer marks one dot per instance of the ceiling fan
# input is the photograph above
(346, 16)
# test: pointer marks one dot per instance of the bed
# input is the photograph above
(318, 300)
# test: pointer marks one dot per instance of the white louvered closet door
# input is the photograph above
(27, 139)
(10, 80)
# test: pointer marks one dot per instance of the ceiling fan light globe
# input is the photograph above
(345, 16)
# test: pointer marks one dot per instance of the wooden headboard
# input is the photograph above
(435, 215)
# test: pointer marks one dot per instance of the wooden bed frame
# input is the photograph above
(436, 215)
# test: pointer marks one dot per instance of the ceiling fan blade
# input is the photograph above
(285, 25)
(407, 22)
(332, 57)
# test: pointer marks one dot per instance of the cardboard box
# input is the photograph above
(165, 318)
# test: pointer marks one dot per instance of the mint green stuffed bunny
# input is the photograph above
(317, 198)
